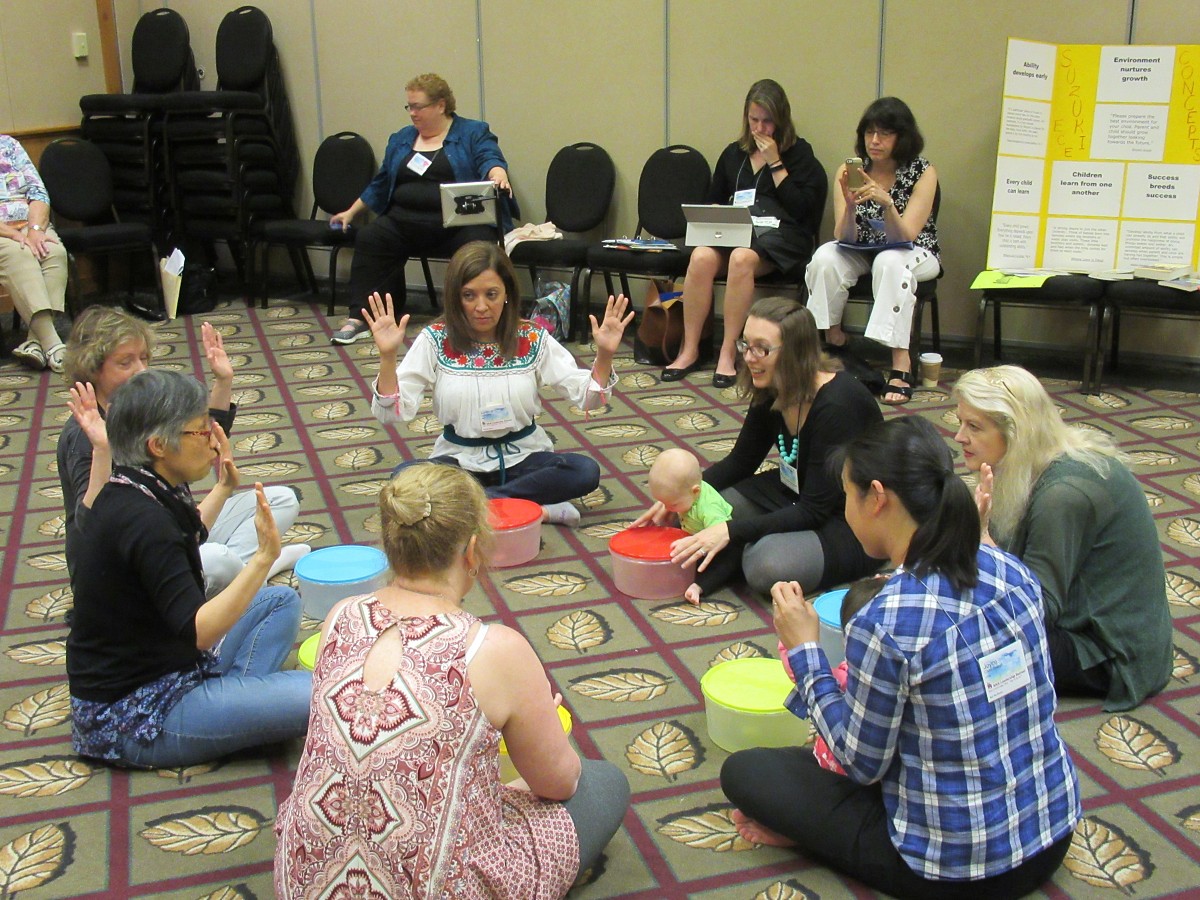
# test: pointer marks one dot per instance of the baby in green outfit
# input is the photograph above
(675, 482)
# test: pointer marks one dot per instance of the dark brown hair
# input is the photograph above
(468, 263)
(891, 114)
(800, 355)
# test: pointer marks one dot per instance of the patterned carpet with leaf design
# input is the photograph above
(629, 669)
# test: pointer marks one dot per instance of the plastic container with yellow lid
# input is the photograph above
(743, 704)
(508, 772)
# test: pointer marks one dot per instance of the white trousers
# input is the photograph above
(233, 538)
(894, 276)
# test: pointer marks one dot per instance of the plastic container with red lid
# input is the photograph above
(641, 563)
(517, 525)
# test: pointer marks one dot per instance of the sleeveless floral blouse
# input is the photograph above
(869, 216)
(398, 791)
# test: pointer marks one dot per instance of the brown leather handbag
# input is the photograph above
(660, 331)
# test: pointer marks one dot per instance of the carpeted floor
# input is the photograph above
(629, 669)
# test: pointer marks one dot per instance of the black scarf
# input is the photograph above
(177, 501)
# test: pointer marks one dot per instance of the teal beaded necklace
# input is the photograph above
(788, 458)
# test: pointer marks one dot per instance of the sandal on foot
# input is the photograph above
(905, 390)
(30, 354)
(56, 358)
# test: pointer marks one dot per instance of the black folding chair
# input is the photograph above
(671, 177)
(579, 188)
(79, 182)
(342, 167)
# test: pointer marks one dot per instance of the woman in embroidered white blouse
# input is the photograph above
(485, 366)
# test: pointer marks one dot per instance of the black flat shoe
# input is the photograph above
(720, 380)
(680, 374)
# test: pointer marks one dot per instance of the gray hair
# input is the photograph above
(155, 403)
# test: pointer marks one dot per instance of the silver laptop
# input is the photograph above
(469, 203)
(717, 226)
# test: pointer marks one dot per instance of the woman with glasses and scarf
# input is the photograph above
(159, 675)
(439, 147)
(889, 201)
(788, 522)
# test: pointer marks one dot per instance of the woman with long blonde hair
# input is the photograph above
(1062, 500)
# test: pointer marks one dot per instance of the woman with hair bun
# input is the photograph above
(1061, 499)
(398, 791)
(959, 783)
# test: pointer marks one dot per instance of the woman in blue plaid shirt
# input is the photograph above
(959, 784)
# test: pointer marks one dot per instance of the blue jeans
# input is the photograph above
(543, 477)
(250, 701)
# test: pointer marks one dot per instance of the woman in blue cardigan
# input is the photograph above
(440, 147)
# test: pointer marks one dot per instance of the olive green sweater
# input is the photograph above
(1091, 541)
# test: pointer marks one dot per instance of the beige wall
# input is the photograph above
(635, 74)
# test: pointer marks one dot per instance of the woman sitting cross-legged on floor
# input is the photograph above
(894, 203)
(398, 791)
(159, 675)
(959, 784)
(485, 366)
(106, 348)
(787, 522)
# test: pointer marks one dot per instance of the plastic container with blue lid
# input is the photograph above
(335, 573)
(829, 611)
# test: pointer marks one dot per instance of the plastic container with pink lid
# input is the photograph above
(641, 563)
(517, 525)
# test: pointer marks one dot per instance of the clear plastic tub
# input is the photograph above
(517, 525)
(641, 563)
(743, 705)
(335, 573)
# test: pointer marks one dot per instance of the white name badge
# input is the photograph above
(497, 417)
(419, 163)
(787, 474)
(764, 221)
(744, 197)
(1004, 671)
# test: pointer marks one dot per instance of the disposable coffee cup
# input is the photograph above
(931, 369)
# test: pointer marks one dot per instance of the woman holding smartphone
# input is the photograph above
(890, 201)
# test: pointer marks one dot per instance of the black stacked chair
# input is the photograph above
(128, 127)
(80, 185)
(342, 168)
(579, 188)
(1137, 297)
(232, 154)
(926, 296)
(671, 177)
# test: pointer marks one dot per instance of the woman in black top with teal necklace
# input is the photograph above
(789, 521)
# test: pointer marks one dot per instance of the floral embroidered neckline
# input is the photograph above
(487, 355)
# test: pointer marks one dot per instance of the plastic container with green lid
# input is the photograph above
(641, 563)
(743, 704)
(517, 525)
(307, 654)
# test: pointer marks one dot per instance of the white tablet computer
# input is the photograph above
(717, 226)
(469, 203)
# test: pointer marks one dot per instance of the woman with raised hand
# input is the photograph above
(787, 522)
(485, 367)
(159, 675)
(1061, 499)
(959, 784)
(106, 348)
(398, 788)
(893, 203)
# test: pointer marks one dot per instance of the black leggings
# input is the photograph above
(845, 825)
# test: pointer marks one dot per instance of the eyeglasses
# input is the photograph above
(416, 107)
(205, 433)
(755, 351)
(879, 133)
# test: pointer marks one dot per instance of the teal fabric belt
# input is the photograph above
(497, 447)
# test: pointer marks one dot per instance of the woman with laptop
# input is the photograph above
(774, 173)
(884, 205)
(439, 147)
